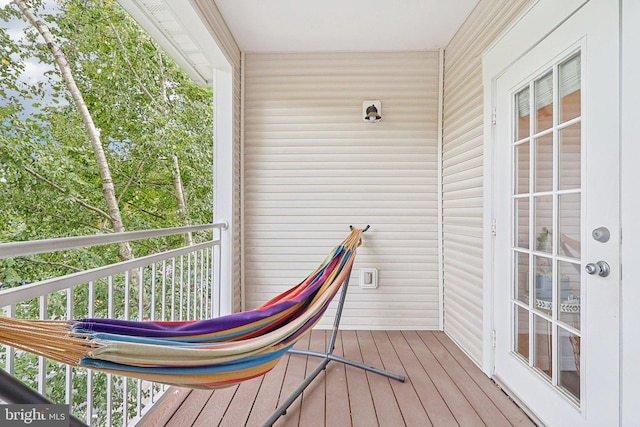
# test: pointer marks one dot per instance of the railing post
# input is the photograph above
(224, 178)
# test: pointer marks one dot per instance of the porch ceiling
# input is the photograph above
(297, 25)
(339, 25)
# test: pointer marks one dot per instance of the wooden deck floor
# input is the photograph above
(443, 388)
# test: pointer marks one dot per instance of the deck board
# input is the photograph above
(215, 408)
(190, 408)
(443, 387)
(472, 392)
(359, 395)
(312, 412)
(267, 398)
(296, 371)
(511, 411)
(339, 411)
(413, 412)
(381, 391)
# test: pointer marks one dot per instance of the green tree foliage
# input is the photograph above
(147, 110)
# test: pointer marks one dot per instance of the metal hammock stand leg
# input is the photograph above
(326, 358)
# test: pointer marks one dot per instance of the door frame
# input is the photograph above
(526, 33)
(630, 210)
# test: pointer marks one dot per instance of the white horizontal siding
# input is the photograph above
(462, 165)
(312, 167)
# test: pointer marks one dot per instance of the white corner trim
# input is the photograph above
(440, 190)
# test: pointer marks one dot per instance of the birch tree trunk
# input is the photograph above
(124, 249)
(182, 202)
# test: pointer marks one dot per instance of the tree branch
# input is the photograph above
(142, 87)
(55, 264)
(130, 181)
(61, 190)
(73, 221)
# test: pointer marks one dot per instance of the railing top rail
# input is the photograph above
(14, 249)
(45, 287)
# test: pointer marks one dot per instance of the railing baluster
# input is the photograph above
(126, 295)
(140, 294)
(109, 376)
(68, 383)
(110, 297)
(195, 285)
(90, 313)
(138, 397)
(189, 285)
(125, 401)
(141, 288)
(173, 288)
(152, 315)
(92, 299)
(10, 352)
(215, 312)
(201, 284)
(205, 282)
(181, 287)
(164, 290)
(125, 382)
(42, 362)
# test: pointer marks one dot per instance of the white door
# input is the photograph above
(556, 208)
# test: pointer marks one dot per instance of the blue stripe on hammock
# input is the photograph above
(214, 368)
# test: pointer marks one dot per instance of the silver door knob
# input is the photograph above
(601, 268)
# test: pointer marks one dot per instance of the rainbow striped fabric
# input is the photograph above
(222, 351)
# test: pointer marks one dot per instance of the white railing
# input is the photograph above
(177, 284)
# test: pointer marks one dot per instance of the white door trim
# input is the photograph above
(630, 253)
(524, 34)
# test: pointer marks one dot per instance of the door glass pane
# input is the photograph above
(522, 168)
(569, 293)
(522, 332)
(569, 89)
(569, 163)
(522, 114)
(544, 163)
(543, 88)
(543, 211)
(543, 345)
(522, 223)
(544, 284)
(569, 354)
(569, 225)
(522, 277)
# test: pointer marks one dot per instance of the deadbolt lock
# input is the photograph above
(601, 234)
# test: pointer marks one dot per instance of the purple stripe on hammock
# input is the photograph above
(203, 327)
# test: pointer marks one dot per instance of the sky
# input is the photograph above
(34, 69)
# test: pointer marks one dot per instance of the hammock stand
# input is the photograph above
(326, 358)
(202, 354)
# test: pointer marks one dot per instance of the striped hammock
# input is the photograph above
(198, 354)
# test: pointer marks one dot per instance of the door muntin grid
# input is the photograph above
(547, 211)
